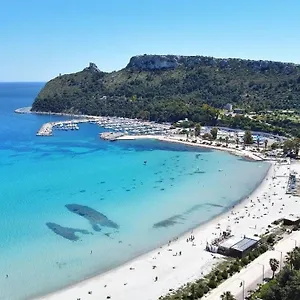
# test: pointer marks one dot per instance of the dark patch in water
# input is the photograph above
(196, 172)
(162, 189)
(168, 222)
(66, 232)
(82, 191)
(93, 216)
(193, 208)
(159, 181)
(102, 182)
(198, 206)
(213, 204)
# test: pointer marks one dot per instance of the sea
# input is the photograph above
(73, 206)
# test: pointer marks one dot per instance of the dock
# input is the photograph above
(110, 136)
(47, 128)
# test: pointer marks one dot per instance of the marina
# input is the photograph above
(121, 125)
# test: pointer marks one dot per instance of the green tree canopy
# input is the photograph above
(214, 132)
(248, 139)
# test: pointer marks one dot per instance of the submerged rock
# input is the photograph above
(168, 222)
(93, 216)
(66, 232)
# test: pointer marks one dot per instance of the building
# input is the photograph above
(228, 107)
(291, 220)
(239, 111)
(236, 247)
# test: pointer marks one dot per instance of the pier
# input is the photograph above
(110, 136)
(47, 128)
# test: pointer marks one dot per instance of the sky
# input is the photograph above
(41, 38)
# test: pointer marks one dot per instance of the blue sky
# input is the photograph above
(42, 38)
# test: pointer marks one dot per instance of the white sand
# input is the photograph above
(182, 140)
(267, 203)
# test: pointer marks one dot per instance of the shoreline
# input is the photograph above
(100, 285)
(134, 278)
(45, 131)
(179, 140)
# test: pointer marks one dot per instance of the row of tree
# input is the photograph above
(286, 285)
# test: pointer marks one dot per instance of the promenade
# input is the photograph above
(247, 280)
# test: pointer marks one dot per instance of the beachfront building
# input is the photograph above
(236, 247)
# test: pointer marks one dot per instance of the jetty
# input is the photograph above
(47, 128)
(110, 136)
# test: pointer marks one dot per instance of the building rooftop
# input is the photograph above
(228, 243)
(244, 244)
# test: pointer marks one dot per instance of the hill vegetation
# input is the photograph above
(170, 88)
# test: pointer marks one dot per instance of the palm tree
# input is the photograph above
(227, 296)
(293, 259)
(290, 258)
(274, 264)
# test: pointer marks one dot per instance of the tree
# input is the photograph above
(248, 139)
(197, 129)
(275, 146)
(293, 258)
(257, 142)
(237, 140)
(227, 140)
(214, 132)
(274, 264)
(266, 144)
(227, 296)
(291, 147)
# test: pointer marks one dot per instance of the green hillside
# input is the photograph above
(169, 88)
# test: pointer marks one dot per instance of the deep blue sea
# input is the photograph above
(142, 205)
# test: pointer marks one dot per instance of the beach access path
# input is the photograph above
(137, 278)
(252, 275)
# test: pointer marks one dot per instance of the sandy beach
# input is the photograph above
(182, 140)
(180, 261)
(170, 266)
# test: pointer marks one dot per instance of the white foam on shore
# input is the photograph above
(135, 279)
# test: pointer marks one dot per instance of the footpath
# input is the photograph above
(249, 277)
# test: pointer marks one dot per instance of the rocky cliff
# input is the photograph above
(163, 62)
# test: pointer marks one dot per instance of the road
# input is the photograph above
(252, 275)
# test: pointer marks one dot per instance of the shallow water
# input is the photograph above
(64, 196)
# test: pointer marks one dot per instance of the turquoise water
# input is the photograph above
(179, 188)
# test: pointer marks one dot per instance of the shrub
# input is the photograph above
(212, 283)
(271, 239)
(245, 261)
(225, 274)
(219, 277)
